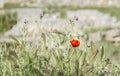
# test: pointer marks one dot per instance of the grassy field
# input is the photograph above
(113, 11)
(112, 49)
(53, 54)
(7, 21)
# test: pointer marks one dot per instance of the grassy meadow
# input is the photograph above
(53, 54)
(7, 21)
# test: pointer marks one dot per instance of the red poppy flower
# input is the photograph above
(75, 43)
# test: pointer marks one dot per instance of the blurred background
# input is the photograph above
(98, 19)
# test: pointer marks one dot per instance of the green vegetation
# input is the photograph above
(11, 5)
(7, 21)
(95, 29)
(53, 55)
(113, 11)
(88, 30)
(112, 51)
(15, 5)
(56, 57)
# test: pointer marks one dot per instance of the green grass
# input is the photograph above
(88, 30)
(113, 11)
(55, 57)
(7, 21)
(95, 29)
(12, 5)
(16, 5)
(112, 51)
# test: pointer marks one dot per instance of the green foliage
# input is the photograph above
(113, 11)
(15, 5)
(7, 21)
(112, 51)
(95, 29)
(11, 5)
(55, 57)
